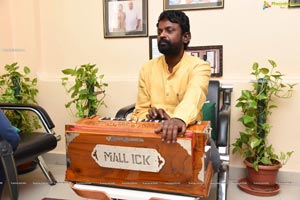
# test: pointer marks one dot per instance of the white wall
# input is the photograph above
(51, 35)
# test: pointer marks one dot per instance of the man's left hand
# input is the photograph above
(171, 129)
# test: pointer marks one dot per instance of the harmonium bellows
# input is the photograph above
(126, 154)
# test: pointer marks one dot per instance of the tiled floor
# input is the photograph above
(33, 187)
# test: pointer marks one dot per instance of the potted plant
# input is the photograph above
(18, 87)
(88, 91)
(252, 144)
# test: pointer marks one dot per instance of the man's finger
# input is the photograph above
(171, 131)
(161, 113)
(174, 133)
(158, 130)
(164, 132)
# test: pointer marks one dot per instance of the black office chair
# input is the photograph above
(31, 147)
(221, 97)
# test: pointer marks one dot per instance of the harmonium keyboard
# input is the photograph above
(116, 154)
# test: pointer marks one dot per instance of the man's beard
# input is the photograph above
(168, 48)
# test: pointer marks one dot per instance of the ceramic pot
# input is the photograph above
(266, 176)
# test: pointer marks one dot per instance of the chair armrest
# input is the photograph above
(38, 110)
(123, 112)
(224, 124)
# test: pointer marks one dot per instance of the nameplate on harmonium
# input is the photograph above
(126, 154)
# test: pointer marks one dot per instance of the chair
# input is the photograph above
(31, 146)
(222, 98)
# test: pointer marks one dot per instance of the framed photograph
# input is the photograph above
(192, 4)
(125, 18)
(294, 3)
(153, 47)
(212, 54)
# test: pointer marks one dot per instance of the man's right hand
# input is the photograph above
(160, 114)
(171, 129)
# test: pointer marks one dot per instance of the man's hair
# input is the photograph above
(179, 17)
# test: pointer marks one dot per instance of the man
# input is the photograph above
(8, 133)
(172, 87)
(132, 20)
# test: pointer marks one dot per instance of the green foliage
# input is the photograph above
(257, 104)
(18, 87)
(88, 91)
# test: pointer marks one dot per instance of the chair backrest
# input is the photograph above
(219, 99)
(213, 95)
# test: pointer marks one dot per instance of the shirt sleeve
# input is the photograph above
(8, 132)
(190, 108)
(143, 99)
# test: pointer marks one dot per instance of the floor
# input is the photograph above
(34, 187)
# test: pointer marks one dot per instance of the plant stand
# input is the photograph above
(261, 182)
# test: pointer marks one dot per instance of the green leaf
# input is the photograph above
(246, 94)
(272, 107)
(255, 165)
(235, 149)
(68, 71)
(254, 142)
(68, 104)
(264, 70)
(34, 81)
(244, 138)
(289, 153)
(266, 161)
(255, 66)
(26, 70)
(273, 63)
(246, 119)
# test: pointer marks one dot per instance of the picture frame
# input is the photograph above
(192, 4)
(294, 3)
(153, 48)
(125, 18)
(212, 54)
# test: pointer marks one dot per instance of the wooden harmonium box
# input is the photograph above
(125, 154)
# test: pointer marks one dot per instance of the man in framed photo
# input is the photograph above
(132, 19)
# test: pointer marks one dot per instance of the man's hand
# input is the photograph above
(170, 129)
(160, 114)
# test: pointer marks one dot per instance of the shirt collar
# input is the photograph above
(176, 67)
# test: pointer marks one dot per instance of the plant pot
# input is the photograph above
(261, 182)
(265, 176)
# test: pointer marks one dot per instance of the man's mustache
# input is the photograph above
(164, 41)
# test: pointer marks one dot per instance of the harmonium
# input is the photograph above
(108, 157)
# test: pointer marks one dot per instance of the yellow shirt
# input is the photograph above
(181, 93)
